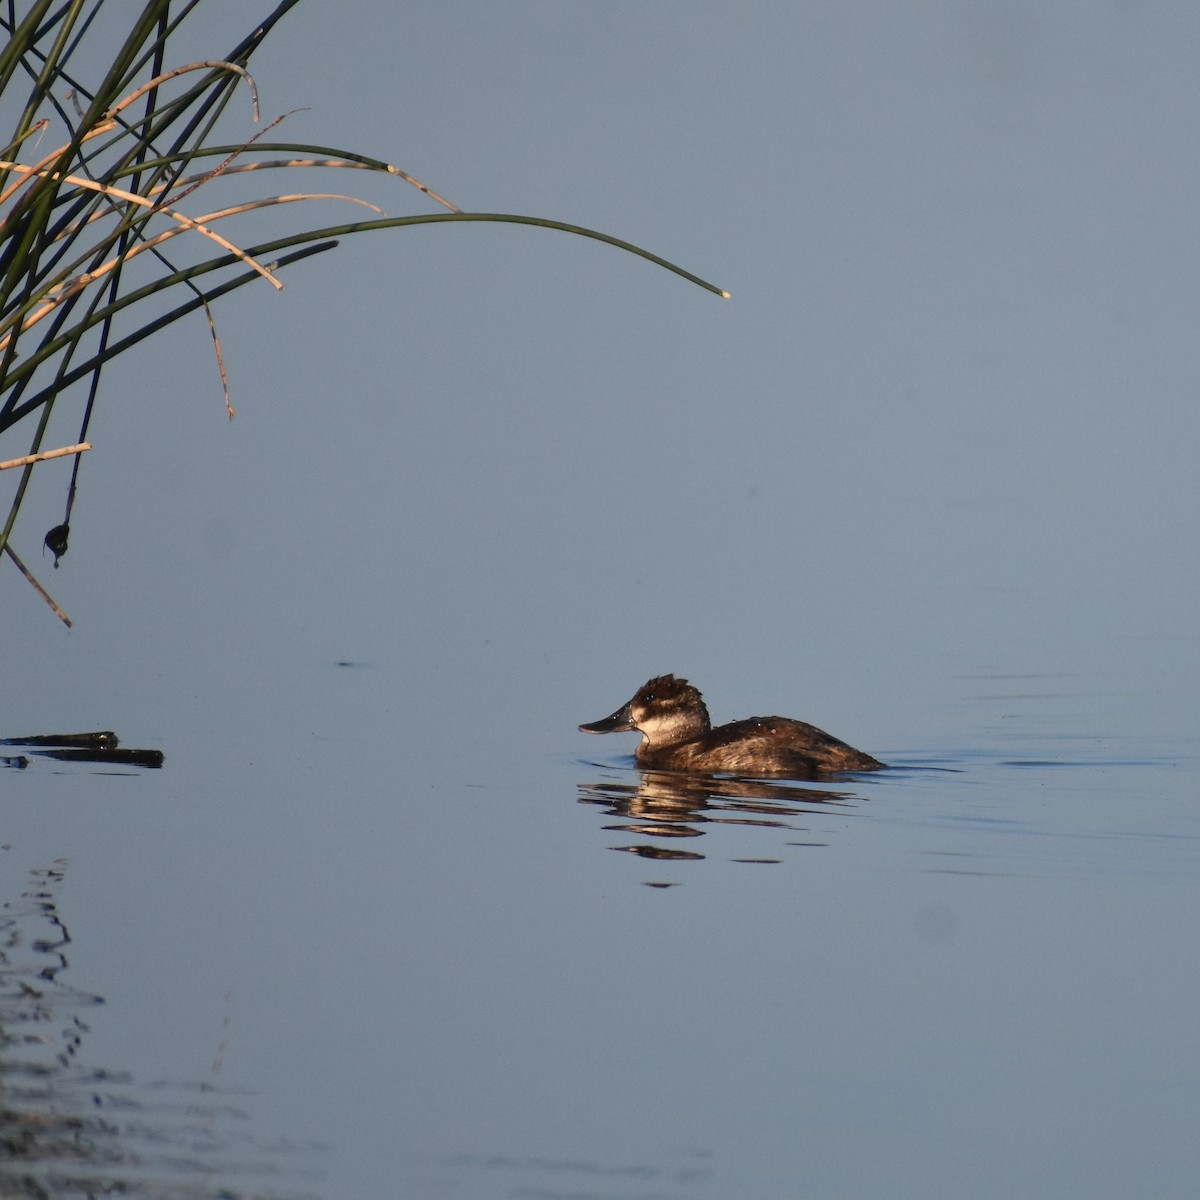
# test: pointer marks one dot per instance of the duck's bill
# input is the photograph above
(617, 723)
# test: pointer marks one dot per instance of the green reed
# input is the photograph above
(123, 178)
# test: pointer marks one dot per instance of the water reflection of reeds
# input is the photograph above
(67, 1130)
(668, 807)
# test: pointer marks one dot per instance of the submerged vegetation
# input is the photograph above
(105, 238)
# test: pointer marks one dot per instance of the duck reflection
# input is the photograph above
(669, 807)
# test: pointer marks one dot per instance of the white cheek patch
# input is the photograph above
(664, 729)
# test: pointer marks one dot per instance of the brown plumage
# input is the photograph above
(677, 735)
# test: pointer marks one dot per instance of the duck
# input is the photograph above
(677, 735)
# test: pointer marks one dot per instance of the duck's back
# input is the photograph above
(762, 746)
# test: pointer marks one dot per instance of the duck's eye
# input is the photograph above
(648, 697)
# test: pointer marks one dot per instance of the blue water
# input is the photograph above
(384, 923)
(550, 975)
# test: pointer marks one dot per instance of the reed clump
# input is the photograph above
(105, 236)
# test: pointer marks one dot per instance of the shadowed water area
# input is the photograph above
(69, 1127)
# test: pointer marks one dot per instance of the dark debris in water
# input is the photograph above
(101, 740)
(102, 746)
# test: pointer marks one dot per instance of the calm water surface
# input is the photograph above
(295, 970)
(395, 928)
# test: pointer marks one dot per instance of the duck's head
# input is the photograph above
(665, 711)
